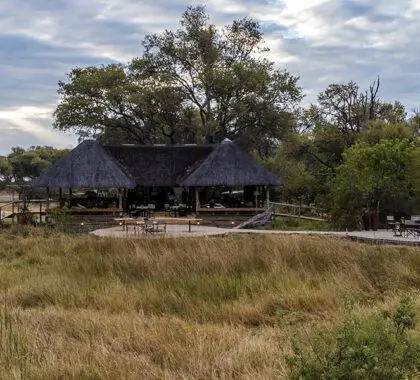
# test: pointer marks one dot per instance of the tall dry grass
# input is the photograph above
(90, 308)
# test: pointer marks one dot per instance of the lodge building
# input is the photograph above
(219, 176)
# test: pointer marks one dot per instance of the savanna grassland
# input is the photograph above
(80, 307)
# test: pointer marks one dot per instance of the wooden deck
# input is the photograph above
(239, 210)
(86, 211)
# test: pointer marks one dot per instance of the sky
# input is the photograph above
(322, 41)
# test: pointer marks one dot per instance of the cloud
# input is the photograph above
(30, 122)
(322, 41)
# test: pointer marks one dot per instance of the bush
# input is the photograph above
(374, 178)
(380, 347)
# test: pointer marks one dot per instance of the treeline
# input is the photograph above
(352, 155)
(350, 152)
(21, 166)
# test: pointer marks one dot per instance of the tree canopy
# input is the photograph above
(374, 176)
(21, 166)
(194, 84)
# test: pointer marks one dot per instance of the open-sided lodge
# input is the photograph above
(127, 177)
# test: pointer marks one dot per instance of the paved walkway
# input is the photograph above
(381, 236)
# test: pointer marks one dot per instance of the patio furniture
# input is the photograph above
(397, 229)
(123, 221)
(180, 221)
(173, 211)
(141, 211)
(167, 208)
(410, 228)
(153, 227)
(132, 225)
(390, 222)
(182, 210)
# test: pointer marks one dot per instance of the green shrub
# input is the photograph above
(379, 347)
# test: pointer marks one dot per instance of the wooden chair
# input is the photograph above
(167, 209)
(390, 222)
(153, 227)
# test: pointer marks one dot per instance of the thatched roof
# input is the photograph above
(86, 166)
(90, 165)
(228, 165)
(159, 166)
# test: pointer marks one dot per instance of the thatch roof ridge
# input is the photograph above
(86, 166)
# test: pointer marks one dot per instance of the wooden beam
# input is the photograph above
(197, 201)
(120, 205)
(125, 202)
(300, 217)
(70, 196)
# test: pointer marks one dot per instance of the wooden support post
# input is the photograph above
(70, 196)
(256, 196)
(13, 212)
(48, 205)
(60, 197)
(120, 206)
(197, 201)
(125, 205)
(268, 197)
(40, 212)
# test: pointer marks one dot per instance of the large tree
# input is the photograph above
(195, 83)
(349, 109)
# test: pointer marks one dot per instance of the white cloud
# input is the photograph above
(26, 119)
(323, 41)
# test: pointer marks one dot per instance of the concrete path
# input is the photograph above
(381, 236)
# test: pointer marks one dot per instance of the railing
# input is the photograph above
(298, 211)
(12, 209)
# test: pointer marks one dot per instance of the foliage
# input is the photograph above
(25, 217)
(343, 115)
(377, 348)
(371, 177)
(60, 218)
(117, 104)
(192, 83)
(349, 109)
(378, 130)
(22, 165)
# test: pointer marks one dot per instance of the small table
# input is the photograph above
(142, 211)
(123, 221)
(189, 221)
(411, 229)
